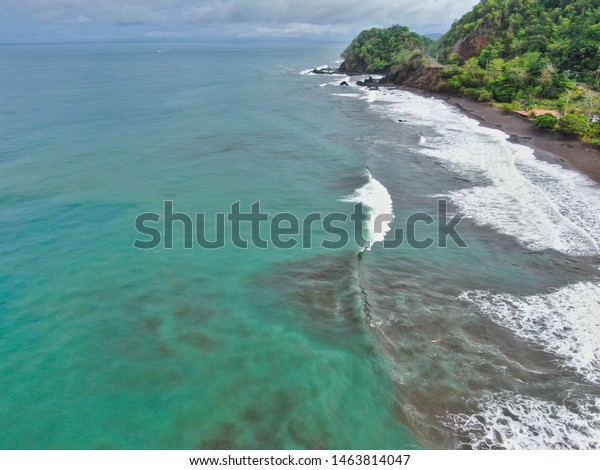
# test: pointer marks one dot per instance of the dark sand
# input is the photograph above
(549, 146)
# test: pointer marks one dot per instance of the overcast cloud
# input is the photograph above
(33, 20)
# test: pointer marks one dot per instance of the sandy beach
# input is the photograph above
(549, 146)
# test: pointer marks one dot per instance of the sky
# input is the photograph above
(88, 20)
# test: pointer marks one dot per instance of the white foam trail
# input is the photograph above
(565, 323)
(376, 199)
(543, 205)
(516, 422)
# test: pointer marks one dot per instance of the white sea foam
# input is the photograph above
(336, 83)
(322, 67)
(310, 71)
(515, 421)
(565, 323)
(543, 205)
(376, 199)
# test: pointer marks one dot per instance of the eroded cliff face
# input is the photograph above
(417, 72)
(471, 45)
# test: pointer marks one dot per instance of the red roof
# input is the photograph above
(541, 112)
(538, 112)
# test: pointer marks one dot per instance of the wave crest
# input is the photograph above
(375, 197)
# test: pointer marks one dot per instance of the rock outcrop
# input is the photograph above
(417, 72)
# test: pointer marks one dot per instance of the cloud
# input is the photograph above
(297, 30)
(381, 12)
(111, 11)
(79, 19)
(287, 18)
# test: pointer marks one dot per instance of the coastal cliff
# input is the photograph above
(419, 71)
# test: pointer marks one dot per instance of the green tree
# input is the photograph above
(591, 104)
(376, 49)
(573, 124)
(564, 32)
(503, 89)
(546, 121)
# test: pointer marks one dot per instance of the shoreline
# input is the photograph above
(550, 146)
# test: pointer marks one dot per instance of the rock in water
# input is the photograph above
(324, 71)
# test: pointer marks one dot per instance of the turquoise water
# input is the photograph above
(107, 346)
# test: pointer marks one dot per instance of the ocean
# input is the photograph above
(107, 346)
